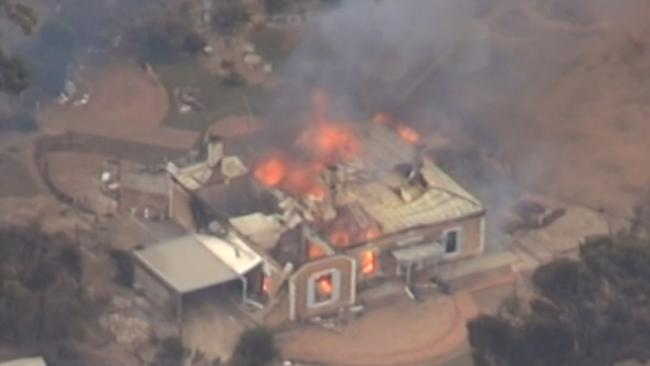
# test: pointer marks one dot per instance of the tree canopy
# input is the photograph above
(256, 347)
(590, 312)
(14, 76)
(41, 295)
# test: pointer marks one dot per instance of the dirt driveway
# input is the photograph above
(398, 333)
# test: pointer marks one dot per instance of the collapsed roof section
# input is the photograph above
(388, 188)
(408, 189)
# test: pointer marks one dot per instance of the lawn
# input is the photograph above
(219, 100)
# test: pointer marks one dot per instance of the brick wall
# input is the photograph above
(471, 244)
(299, 287)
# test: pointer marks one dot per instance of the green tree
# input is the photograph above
(41, 295)
(229, 17)
(255, 347)
(14, 76)
(591, 312)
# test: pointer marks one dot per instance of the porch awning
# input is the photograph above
(418, 252)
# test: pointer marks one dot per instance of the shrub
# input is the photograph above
(124, 266)
(255, 347)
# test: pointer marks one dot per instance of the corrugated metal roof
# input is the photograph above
(440, 199)
(193, 262)
(31, 361)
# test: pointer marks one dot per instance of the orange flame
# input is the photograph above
(315, 251)
(302, 180)
(340, 237)
(326, 141)
(333, 142)
(266, 284)
(408, 134)
(317, 192)
(325, 286)
(368, 262)
(271, 172)
(372, 233)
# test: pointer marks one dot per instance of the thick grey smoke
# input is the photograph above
(366, 53)
(469, 69)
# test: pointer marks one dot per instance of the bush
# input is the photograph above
(158, 49)
(71, 258)
(125, 270)
(255, 347)
(172, 349)
(229, 18)
(233, 79)
(193, 43)
(22, 122)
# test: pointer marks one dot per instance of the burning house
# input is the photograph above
(348, 207)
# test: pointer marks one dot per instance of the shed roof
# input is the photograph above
(30, 361)
(196, 261)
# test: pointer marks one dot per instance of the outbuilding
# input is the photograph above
(168, 271)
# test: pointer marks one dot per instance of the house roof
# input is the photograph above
(31, 361)
(239, 197)
(439, 198)
(196, 261)
(191, 177)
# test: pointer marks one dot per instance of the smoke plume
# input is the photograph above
(471, 70)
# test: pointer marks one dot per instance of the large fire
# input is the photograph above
(300, 179)
(333, 142)
(272, 171)
(324, 142)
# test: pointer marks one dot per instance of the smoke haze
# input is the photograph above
(476, 71)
